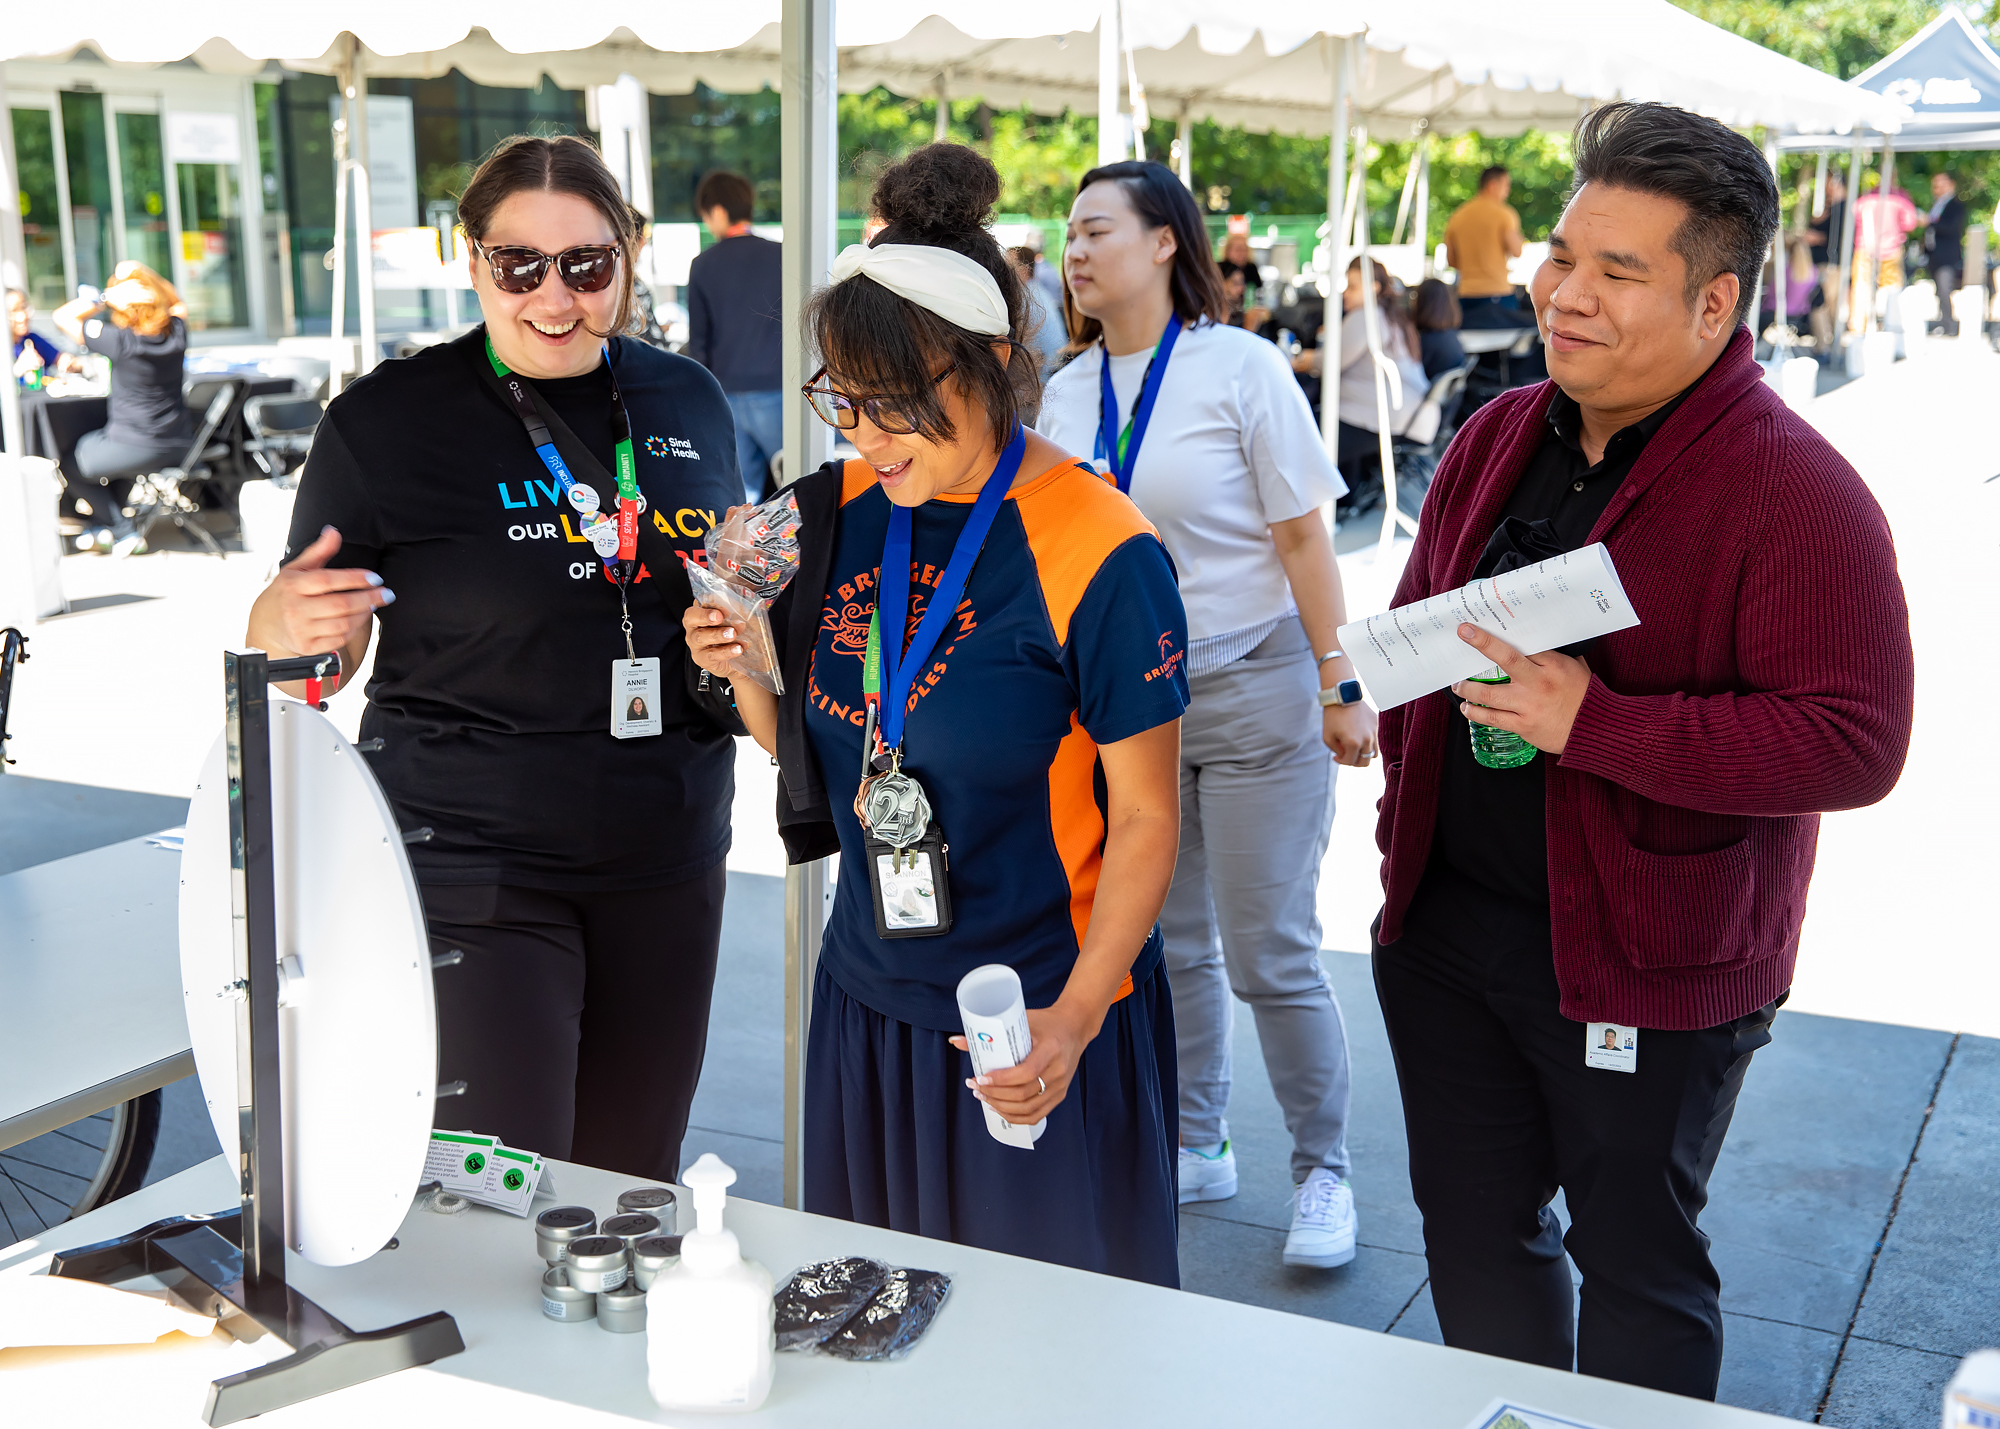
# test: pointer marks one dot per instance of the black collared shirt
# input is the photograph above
(1492, 825)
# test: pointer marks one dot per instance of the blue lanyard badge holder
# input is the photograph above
(1116, 459)
(909, 875)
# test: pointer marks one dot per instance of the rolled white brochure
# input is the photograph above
(996, 1033)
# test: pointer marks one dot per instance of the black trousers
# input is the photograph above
(1502, 1113)
(577, 1020)
(1946, 276)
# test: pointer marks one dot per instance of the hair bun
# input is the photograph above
(938, 192)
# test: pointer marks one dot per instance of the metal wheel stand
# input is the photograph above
(232, 1264)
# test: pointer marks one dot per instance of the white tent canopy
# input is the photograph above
(1457, 63)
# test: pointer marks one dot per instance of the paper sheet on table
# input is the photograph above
(56, 1310)
(1503, 1414)
(1414, 649)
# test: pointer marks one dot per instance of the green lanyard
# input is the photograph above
(545, 448)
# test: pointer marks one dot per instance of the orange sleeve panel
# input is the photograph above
(855, 479)
(1073, 525)
(1076, 821)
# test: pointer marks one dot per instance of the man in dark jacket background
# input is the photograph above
(1944, 246)
(735, 292)
(1644, 875)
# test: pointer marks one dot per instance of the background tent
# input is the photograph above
(1947, 78)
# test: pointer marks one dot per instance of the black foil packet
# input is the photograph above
(822, 1297)
(890, 1325)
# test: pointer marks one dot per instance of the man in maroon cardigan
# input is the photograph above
(1645, 873)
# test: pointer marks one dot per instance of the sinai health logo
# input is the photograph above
(1910, 90)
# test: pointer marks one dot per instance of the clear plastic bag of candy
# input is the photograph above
(822, 1297)
(752, 556)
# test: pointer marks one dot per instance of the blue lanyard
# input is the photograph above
(1130, 438)
(627, 496)
(899, 668)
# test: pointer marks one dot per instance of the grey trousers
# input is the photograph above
(1242, 916)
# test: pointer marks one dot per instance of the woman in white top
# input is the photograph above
(1204, 426)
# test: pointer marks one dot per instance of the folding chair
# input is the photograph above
(173, 493)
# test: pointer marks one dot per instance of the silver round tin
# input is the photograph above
(653, 1255)
(557, 1227)
(622, 1311)
(632, 1227)
(655, 1199)
(597, 1262)
(563, 1301)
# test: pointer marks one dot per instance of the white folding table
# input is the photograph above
(1017, 1341)
(90, 980)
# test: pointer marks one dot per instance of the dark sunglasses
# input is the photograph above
(585, 269)
(888, 412)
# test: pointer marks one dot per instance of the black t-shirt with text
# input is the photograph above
(491, 688)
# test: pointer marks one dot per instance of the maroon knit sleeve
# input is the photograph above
(1826, 678)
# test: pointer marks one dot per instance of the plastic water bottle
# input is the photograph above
(1972, 1399)
(1498, 748)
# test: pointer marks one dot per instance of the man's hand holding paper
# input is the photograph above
(1414, 649)
(1541, 699)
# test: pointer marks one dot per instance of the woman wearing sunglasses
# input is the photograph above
(994, 758)
(511, 508)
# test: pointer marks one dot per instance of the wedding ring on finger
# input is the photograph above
(1043, 1085)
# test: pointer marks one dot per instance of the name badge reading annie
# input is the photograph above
(635, 698)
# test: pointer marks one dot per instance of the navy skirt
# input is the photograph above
(895, 1138)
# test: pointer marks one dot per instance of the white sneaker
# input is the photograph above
(1323, 1222)
(1207, 1178)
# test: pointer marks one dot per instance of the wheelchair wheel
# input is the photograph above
(79, 1167)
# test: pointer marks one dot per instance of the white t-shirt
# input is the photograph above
(1231, 448)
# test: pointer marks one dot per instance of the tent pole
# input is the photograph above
(1385, 371)
(1887, 189)
(1339, 51)
(808, 136)
(941, 130)
(1843, 312)
(13, 273)
(1779, 346)
(1110, 127)
(337, 322)
(1185, 138)
(1819, 184)
(364, 223)
(1421, 220)
(1408, 198)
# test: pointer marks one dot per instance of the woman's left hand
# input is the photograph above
(1029, 1090)
(1349, 731)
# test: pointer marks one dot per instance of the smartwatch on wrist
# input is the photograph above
(1347, 692)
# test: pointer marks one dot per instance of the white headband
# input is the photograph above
(949, 284)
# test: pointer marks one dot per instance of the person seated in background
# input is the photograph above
(1802, 292)
(1479, 238)
(1045, 323)
(34, 356)
(1359, 451)
(1435, 311)
(139, 323)
(1236, 257)
(1242, 284)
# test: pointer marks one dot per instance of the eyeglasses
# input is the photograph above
(588, 268)
(887, 411)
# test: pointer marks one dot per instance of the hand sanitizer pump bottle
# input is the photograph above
(709, 1318)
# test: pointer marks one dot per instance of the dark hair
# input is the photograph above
(1948, 176)
(563, 165)
(1491, 172)
(880, 343)
(731, 191)
(1434, 307)
(1024, 255)
(1713, 172)
(1162, 201)
(1395, 309)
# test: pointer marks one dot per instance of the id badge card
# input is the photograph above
(1607, 1047)
(911, 888)
(635, 698)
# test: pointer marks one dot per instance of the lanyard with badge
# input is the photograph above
(1119, 461)
(909, 876)
(635, 683)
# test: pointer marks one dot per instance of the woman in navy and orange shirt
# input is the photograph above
(1040, 716)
